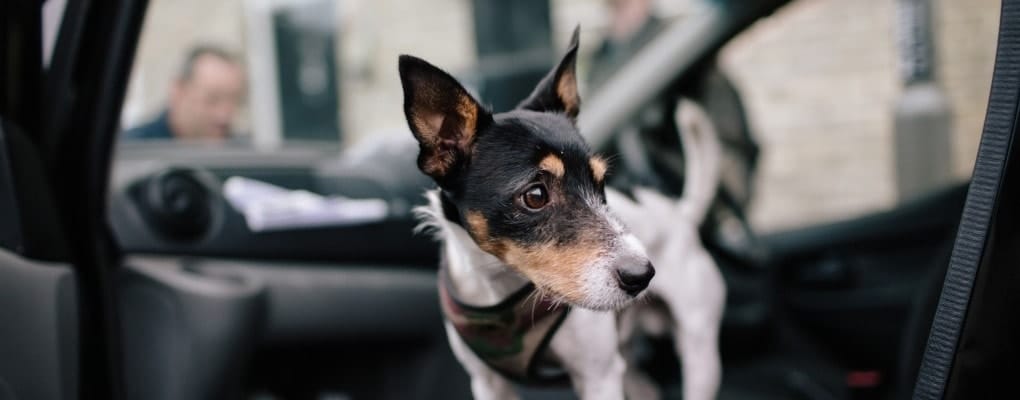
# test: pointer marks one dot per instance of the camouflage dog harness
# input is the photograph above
(509, 336)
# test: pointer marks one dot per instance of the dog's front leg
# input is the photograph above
(486, 384)
(587, 346)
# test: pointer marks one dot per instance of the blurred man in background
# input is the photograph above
(204, 99)
(632, 25)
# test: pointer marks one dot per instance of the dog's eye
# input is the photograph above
(535, 197)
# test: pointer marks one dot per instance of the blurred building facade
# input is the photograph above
(819, 81)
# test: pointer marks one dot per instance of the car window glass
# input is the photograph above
(325, 71)
(311, 71)
(823, 92)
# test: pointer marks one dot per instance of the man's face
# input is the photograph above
(204, 106)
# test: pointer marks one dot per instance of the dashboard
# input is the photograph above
(168, 199)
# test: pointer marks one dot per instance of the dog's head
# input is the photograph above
(525, 185)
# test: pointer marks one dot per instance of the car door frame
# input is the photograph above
(972, 349)
(60, 123)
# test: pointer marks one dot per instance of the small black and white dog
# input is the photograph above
(538, 269)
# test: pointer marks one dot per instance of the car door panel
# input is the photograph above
(38, 307)
(38, 298)
(186, 334)
(866, 270)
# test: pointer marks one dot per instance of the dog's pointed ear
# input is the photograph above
(442, 115)
(558, 90)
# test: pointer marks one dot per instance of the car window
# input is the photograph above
(311, 70)
(824, 91)
(326, 71)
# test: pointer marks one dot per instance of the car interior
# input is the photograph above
(157, 283)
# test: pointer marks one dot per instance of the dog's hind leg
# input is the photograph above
(701, 367)
(587, 346)
(697, 341)
(695, 293)
(486, 384)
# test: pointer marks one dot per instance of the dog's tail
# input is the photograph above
(702, 158)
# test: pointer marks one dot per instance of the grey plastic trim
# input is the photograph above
(186, 335)
(10, 227)
(329, 302)
(39, 329)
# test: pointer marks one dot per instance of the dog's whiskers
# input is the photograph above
(537, 294)
(495, 263)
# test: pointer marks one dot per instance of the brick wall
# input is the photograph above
(966, 35)
(820, 82)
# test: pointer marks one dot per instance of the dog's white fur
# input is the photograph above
(588, 344)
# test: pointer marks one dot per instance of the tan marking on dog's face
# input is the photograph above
(555, 268)
(478, 227)
(598, 168)
(553, 165)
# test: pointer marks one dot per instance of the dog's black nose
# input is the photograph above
(635, 279)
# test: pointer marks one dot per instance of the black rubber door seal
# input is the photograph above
(982, 203)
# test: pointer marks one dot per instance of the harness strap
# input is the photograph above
(510, 335)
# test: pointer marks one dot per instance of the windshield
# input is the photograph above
(819, 132)
(265, 74)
